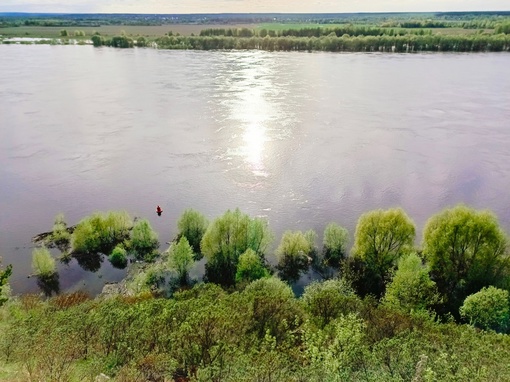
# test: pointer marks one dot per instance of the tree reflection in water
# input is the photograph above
(49, 284)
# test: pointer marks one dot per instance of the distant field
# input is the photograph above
(186, 29)
(112, 30)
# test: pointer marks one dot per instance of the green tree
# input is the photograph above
(181, 259)
(250, 267)
(4, 279)
(293, 255)
(226, 239)
(411, 288)
(466, 251)
(101, 232)
(64, 33)
(335, 241)
(327, 300)
(381, 238)
(487, 309)
(144, 240)
(192, 225)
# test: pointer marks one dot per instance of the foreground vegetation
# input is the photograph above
(440, 32)
(386, 310)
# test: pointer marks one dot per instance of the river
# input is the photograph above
(300, 138)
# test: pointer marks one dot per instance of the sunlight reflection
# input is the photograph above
(251, 110)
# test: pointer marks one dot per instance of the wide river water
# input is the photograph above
(302, 139)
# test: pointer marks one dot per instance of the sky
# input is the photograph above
(249, 6)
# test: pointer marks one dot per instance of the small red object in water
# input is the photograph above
(159, 210)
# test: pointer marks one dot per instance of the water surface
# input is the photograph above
(302, 139)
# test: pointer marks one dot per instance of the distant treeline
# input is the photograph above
(303, 32)
(331, 43)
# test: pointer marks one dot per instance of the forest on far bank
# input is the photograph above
(378, 32)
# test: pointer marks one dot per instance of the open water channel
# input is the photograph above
(302, 139)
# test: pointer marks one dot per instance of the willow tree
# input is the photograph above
(381, 238)
(226, 238)
(192, 225)
(466, 250)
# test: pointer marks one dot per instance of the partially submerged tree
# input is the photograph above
(294, 255)
(226, 239)
(144, 240)
(192, 225)
(181, 259)
(250, 267)
(335, 242)
(466, 250)
(381, 238)
(101, 232)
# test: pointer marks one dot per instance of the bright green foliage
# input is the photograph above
(335, 241)
(272, 307)
(60, 236)
(144, 241)
(487, 309)
(466, 251)
(118, 257)
(337, 351)
(43, 264)
(101, 232)
(226, 239)
(4, 286)
(250, 267)
(411, 288)
(328, 300)
(381, 238)
(181, 259)
(293, 255)
(192, 225)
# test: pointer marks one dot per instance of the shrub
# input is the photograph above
(181, 259)
(192, 225)
(118, 257)
(43, 263)
(293, 255)
(328, 300)
(144, 241)
(335, 240)
(250, 267)
(487, 309)
(101, 232)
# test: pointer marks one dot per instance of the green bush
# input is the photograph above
(335, 241)
(328, 300)
(43, 264)
(192, 225)
(60, 236)
(101, 232)
(118, 257)
(294, 255)
(181, 259)
(144, 241)
(487, 309)
(250, 267)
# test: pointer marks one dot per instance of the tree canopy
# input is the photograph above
(226, 238)
(466, 251)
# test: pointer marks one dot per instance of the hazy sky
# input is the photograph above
(247, 6)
